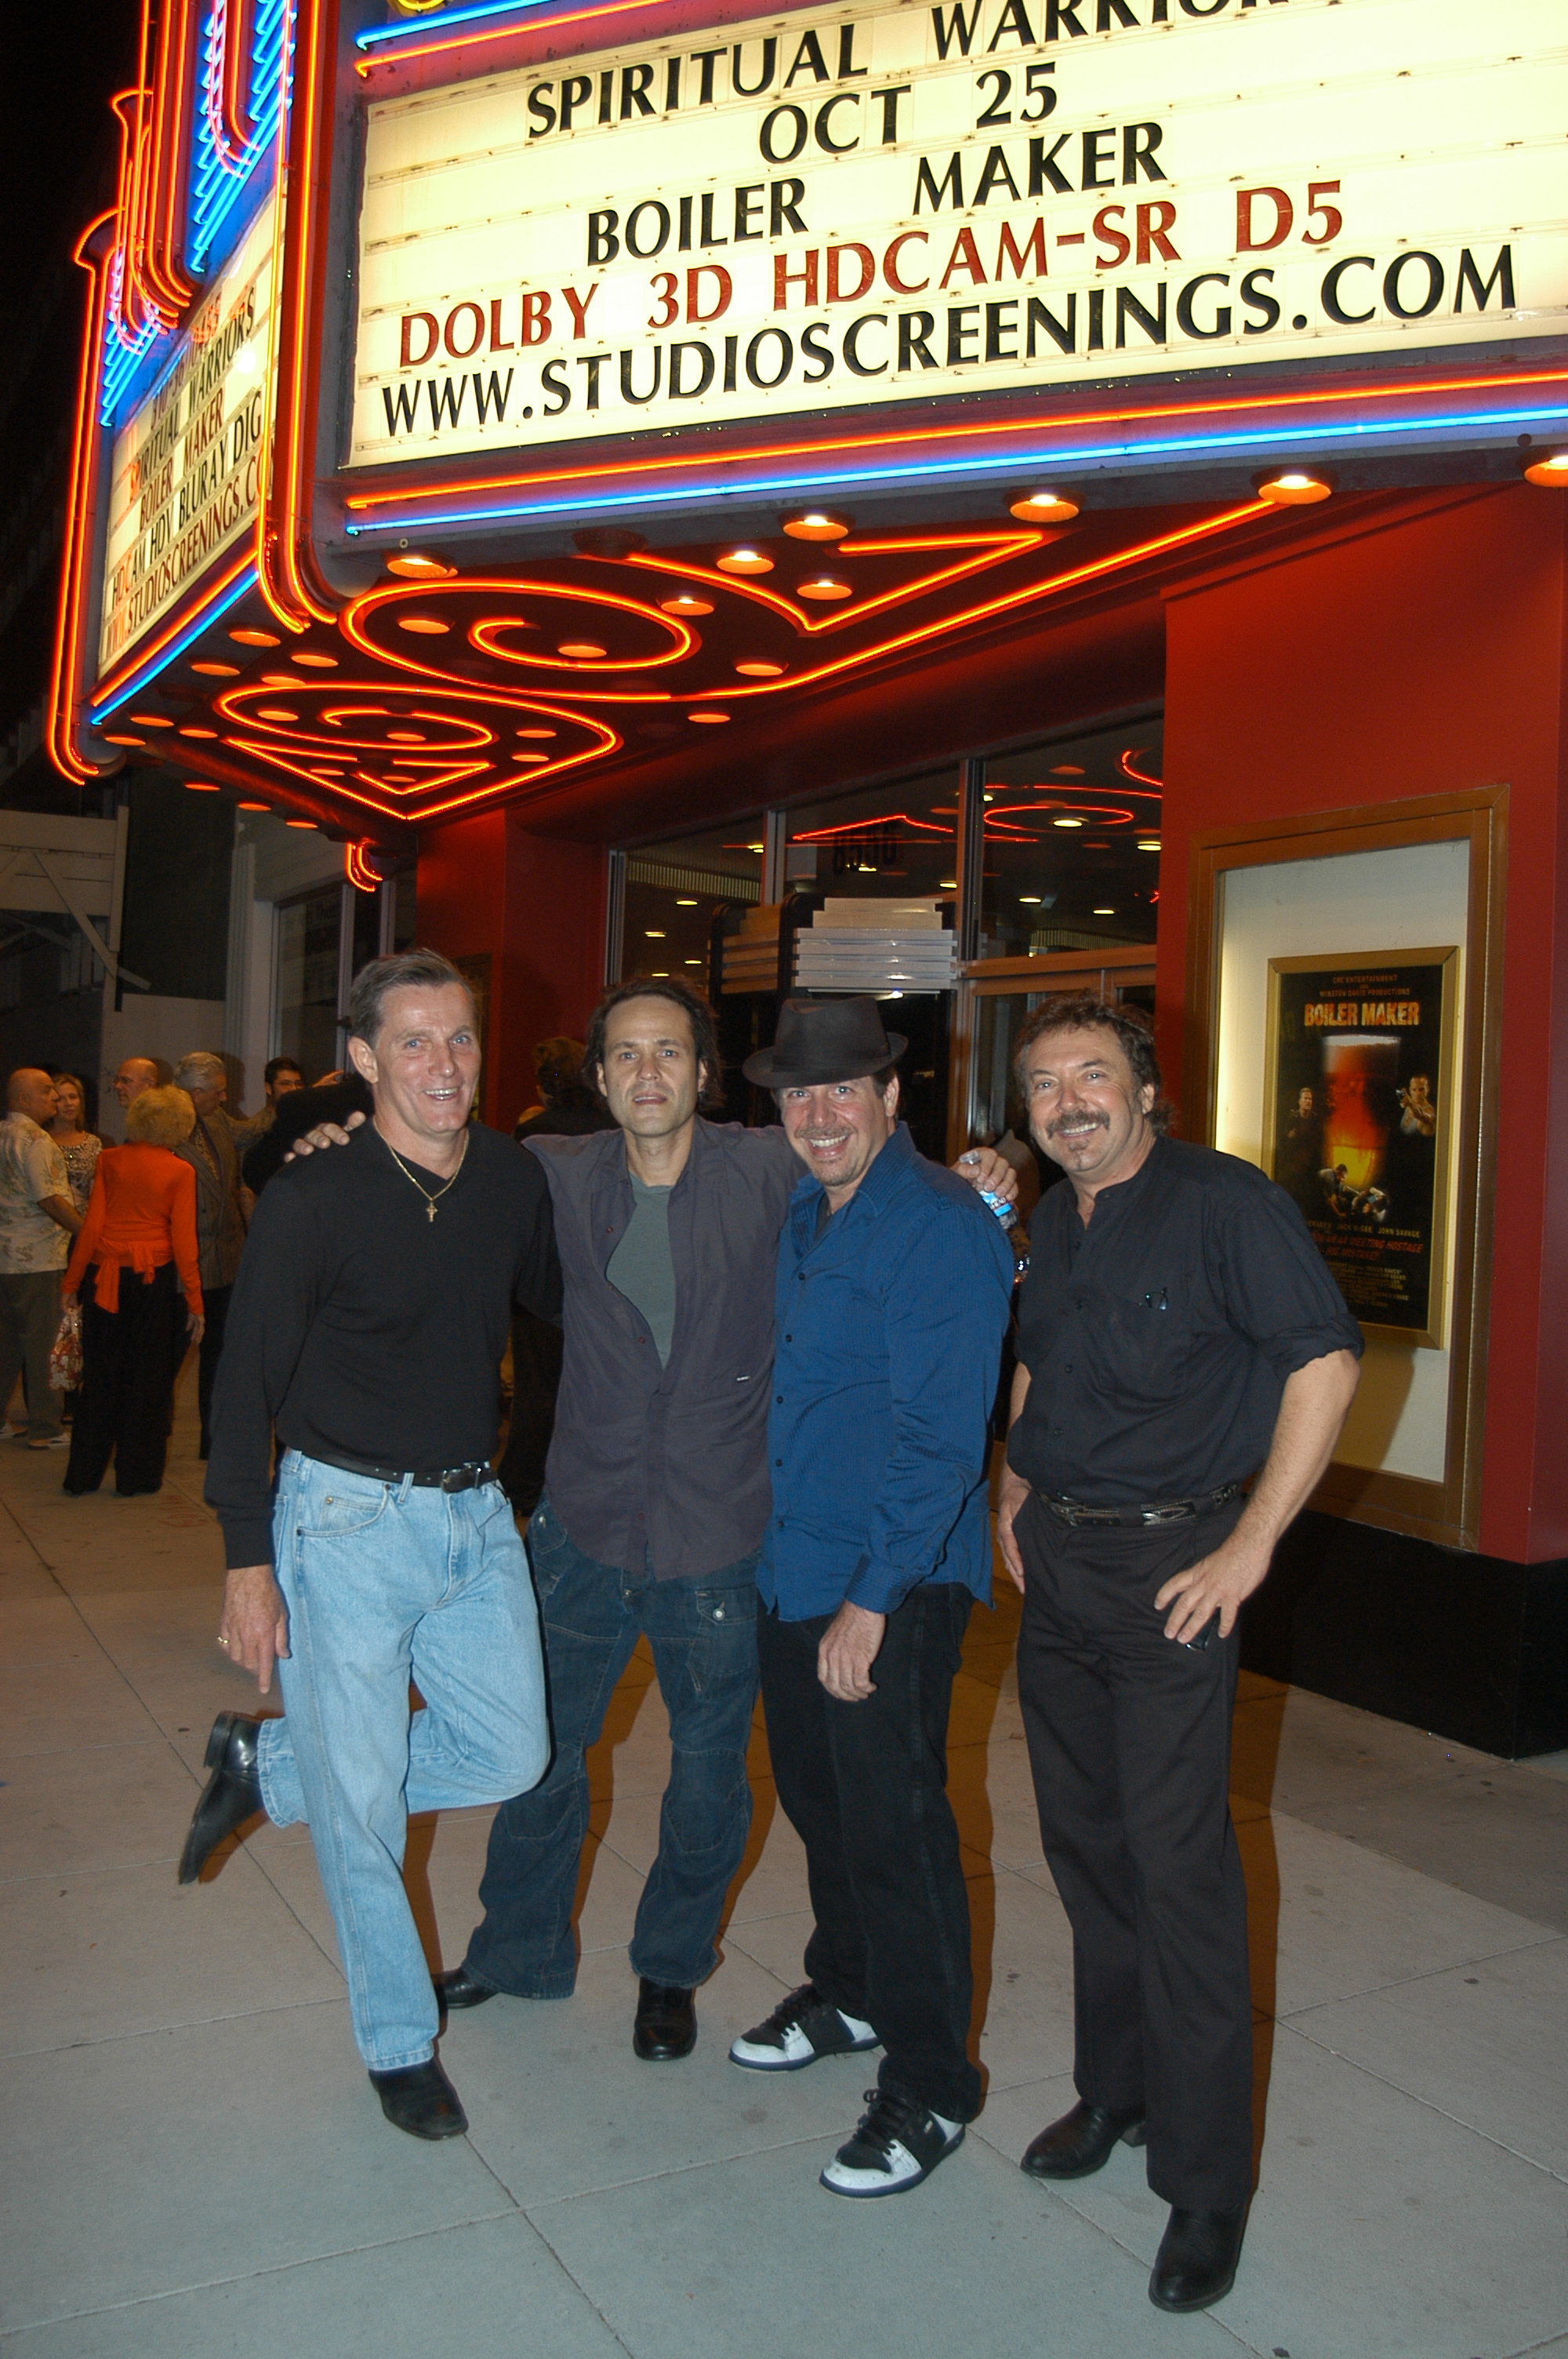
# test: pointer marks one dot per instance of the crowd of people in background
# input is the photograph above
(139, 1241)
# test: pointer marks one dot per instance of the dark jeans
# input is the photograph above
(129, 1358)
(30, 1321)
(701, 1632)
(215, 1305)
(1130, 1743)
(865, 1788)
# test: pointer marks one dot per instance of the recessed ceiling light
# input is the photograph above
(1148, 844)
(825, 589)
(1066, 823)
(580, 650)
(151, 721)
(760, 670)
(815, 526)
(248, 639)
(753, 847)
(217, 670)
(1550, 473)
(685, 604)
(654, 933)
(189, 729)
(415, 568)
(200, 787)
(682, 903)
(659, 974)
(1042, 507)
(299, 823)
(1067, 770)
(707, 716)
(1294, 489)
(535, 732)
(1102, 913)
(405, 736)
(255, 807)
(691, 961)
(1029, 898)
(118, 737)
(425, 626)
(274, 712)
(745, 560)
(527, 756)
(949, 884)
(313, 662)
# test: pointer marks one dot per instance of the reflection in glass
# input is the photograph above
(1073, 844)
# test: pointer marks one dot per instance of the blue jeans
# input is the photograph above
(703, 1636)
(384, 1583)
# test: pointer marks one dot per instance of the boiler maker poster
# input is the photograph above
(1357, 1115)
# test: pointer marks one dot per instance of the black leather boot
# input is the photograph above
(231, 1795)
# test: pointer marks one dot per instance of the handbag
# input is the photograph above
(65, 1353)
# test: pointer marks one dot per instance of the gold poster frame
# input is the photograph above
(1448, 1511)
(1445, 958)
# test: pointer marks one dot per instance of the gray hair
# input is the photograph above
(400, 971)
(203, 1067)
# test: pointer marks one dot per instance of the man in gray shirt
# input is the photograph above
(656, 1494)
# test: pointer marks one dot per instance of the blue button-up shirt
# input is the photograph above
(890, 1328)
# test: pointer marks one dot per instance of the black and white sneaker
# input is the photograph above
(801, 2028)
(896, 2146)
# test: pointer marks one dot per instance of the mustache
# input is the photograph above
(1081, 1120)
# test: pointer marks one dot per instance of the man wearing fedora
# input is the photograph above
(893, 1288)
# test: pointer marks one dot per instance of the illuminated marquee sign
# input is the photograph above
(837, 208)
(186, 470)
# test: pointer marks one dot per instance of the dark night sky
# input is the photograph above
(68, 57)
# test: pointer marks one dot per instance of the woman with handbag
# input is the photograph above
(139, 1232)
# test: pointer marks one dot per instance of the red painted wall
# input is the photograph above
(536, 907)
(1425, 656)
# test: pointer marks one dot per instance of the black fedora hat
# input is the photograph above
(825, 1040)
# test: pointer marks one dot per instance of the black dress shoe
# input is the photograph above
(665, 2027)
(1081, 2142)
(231, 1795)
(1195, 2265)
(457, 1987)
(421, 2100)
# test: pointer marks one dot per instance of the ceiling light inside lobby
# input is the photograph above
(1294, 489)
(1043, 507)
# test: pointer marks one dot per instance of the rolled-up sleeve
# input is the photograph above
(1278, 1290)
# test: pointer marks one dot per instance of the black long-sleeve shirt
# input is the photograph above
(363, 1329)
(1158, 1340)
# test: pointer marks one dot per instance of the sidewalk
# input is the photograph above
(195, 2163)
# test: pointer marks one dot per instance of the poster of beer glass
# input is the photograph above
(1358, 1102)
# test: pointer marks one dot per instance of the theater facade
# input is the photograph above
(952, 500)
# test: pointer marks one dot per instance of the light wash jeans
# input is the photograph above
(384, 1583)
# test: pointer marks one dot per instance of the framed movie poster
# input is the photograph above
(1359, 1102)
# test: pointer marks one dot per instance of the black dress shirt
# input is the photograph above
(365, 1329)
(1159, 1338)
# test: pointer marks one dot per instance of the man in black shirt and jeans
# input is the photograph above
(368, 1321)
(1178, 1331)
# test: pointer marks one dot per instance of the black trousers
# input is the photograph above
(1130, 1743)
(129, 1359)
(865, 1788)
(215, 1304)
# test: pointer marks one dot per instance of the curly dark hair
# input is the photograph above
(693, 1007)
(1084, 1011)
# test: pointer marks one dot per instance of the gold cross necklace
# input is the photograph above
(430, 1200)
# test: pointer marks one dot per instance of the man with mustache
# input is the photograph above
(894, 1291)
(1178, 1333)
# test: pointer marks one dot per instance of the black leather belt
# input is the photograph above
(1159, 1511)
(470, 1477)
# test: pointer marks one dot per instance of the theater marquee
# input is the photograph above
(838, 208)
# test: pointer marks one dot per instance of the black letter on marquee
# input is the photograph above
(1331, 302)
(1184, 319)
(626, 391)
(1433, 284)
(1065, 335)
(1502, 271)
(1257, 299)
(952, 180)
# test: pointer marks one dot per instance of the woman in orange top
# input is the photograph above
(140, 1228)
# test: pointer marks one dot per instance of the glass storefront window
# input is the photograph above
(1073, 844)
(674, 890)
(307, 939)
(891, 842)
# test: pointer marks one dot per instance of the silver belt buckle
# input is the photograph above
(1177, 1513)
